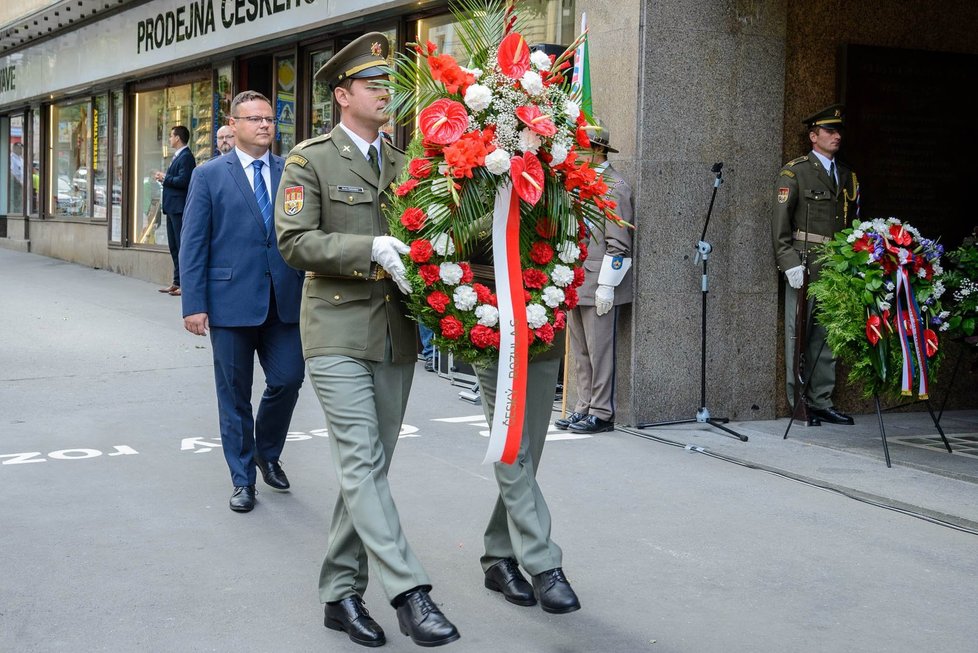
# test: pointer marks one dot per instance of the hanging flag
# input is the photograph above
(581, 78)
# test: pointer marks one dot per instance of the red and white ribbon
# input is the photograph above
(909, 327)
(507, 421)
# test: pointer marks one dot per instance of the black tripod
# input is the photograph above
(703, 250)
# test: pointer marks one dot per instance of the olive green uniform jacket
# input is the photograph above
(328, 209)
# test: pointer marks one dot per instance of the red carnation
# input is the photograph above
(482, 336)
(541, 253)
(570, 297)
(546, 333)
(527, 297)
(466, 272)
(534, 278)
(420, 168)
(578, 278)
(430, 273)
(530, 336)
(421, 251)
(483, 294)
(438, 301)
(560, 320)
(583, 251)
(452, 328)
(406, 187)
(413, 218)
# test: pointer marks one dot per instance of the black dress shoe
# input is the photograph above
(243, 498)
(271, 471)
(573, 418)
(421, 620)
(592, 424)
(505, 577)
(554, 592)
(350, 615)
(832, 416)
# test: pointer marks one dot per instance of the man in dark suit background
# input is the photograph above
(175, 183)
(236, 285)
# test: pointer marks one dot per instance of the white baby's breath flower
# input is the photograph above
(944, 315)
(451, 273)
(572, 110)
(884, 306)
(443, 245)
(944, 326)
(465, 298)
(487, 314)
(569, 252)
(562, 276)
(938, 269)
(536, 316)
(478, 97)
(530, 141)
(552, 296)
(540, 59)
(938, 289)
(497, 161)
(532, 83)
(559, 152)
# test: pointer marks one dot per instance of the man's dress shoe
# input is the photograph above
(421, 620)
(832, 416)
(554, 592)
(273, 474)
(350, 615)
(176, 292)
(243, 498)
(573, 418)
(592, 424)
(169, 289)
(505, 577)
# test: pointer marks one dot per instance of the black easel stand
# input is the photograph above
(703, 250)
(937, 424)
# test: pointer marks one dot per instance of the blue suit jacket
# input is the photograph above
(228, 263)
(176, 181)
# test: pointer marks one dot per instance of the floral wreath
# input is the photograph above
(878, 295)
(509, 118)
(961, 281)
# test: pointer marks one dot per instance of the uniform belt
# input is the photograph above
(818, 239)
(377, 273)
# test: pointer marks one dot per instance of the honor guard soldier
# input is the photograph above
(358, 342)
(815, 197)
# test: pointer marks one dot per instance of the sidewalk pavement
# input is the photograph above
(116, 535)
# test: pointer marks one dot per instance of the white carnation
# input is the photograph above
(443, 246)
(488, 315)
(478, 97)
(540, 59)
(497, 161)
(536, 316)
(569, 251)
(530, 141)
(532, 83)
(465, 298)
(572, 110)
(553, 296)
(562, 276)
(559, 152)
(451, 273)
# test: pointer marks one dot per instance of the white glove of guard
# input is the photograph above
(604, 298)
(795, 276)
(386, 252)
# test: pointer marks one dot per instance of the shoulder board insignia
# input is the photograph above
(297, 159)
(795, 162)
(394, 147)
(784, 173)
(310, 141)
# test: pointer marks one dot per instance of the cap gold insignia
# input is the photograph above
(375, 49)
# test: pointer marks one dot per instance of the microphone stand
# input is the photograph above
(703, 250)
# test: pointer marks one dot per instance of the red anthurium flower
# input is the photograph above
(873, 329)
(930, 342)
(886, 321)
(527, 175)
(863, 245)
(443, 121)
(513, 56)
(536, 120)
(900, 235)
(452, 328)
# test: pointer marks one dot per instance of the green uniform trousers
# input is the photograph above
(519, 527)
(822, 371)
(364, 403)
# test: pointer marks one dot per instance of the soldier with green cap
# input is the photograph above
(815, 196)
(358, 342)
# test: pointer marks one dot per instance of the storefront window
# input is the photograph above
(223, 94)
(284, 104)
(69, 163)
(35, 159)
(16, 172)
(116, 170)
(157, 113)
(100, 157)
(321, 117)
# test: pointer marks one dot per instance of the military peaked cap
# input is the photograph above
(831, 117)
(364, 57)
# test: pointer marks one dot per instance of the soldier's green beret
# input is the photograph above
(831, 117)
(365, 57)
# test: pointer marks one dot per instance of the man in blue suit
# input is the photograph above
(236, 285)
(175, 183)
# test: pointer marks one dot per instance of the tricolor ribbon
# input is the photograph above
(910, 327)
(507, 420)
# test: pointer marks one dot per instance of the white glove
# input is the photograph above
(795, 276)
(386, 252)
(604, 299)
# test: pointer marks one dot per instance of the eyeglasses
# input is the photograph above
(225, 138)
(257, 120)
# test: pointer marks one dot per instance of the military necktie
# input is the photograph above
(374, 160)
(261, 195)
(835, 182)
